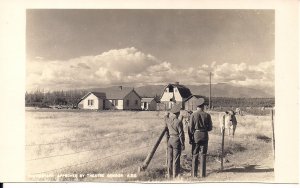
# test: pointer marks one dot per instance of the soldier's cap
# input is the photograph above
(199, 102)
(175, 109)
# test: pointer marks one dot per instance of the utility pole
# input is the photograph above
(209, 90)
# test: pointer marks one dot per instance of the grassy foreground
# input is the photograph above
(74, 145)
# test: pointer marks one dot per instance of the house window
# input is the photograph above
(90, 102)
(127, 102)
(115, 102)
(136, 102)
(170, 89)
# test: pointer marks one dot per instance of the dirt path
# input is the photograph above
(251, 165)
(247, 167)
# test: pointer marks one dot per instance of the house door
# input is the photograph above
(145, 105)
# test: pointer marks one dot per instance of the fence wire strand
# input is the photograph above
(96, 139)
(78, 164)
(66, 154)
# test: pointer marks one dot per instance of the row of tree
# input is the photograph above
(71, 98)
(242, 102)
(42, 99)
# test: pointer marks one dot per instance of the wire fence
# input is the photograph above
(83, 151)
(150, 131)
(90, 140)
(102, 148)
(82, 163)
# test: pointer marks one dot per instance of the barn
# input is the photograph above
(174, 93)
(189, 103)
(148, 103)
(92, 101)
(122, 99)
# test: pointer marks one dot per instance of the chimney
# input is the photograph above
(176, 83)
(120, 87)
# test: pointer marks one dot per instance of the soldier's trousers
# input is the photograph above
(199, 147)
(174, 152)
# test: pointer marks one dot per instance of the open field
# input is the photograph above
(64, 143)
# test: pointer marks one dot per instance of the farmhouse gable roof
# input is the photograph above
(100, 95)
(119, 93)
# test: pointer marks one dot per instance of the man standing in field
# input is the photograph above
(200, 124)
(175, 136)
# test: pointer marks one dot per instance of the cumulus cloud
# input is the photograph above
(129, 66)
(260, 75)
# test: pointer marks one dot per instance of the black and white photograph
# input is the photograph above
(195, 93)
(150, 95)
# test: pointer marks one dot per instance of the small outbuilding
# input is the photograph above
(189, 103)
(148, 103)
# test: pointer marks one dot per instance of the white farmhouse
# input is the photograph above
(116, 99)
(174, 93)
(92, 101)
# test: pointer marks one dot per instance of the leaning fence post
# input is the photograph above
(222, 148)
(167, 148)
(273, 135)
(150, 155)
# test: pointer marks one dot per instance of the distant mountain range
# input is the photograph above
(218, 90)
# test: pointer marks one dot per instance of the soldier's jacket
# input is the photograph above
(200, 124)
(175, 129)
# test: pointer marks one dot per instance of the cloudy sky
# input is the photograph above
(71, 49)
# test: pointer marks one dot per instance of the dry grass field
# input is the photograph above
(76, 145)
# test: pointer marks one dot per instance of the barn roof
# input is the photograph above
(183, 90)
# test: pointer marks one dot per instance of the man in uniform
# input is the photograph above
(175, 137)
(200, 124)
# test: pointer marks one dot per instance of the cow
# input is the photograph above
(228, 121)
(238, 111)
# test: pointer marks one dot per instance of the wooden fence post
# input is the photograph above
(150, 155)
(273, 135)
(222, 148)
